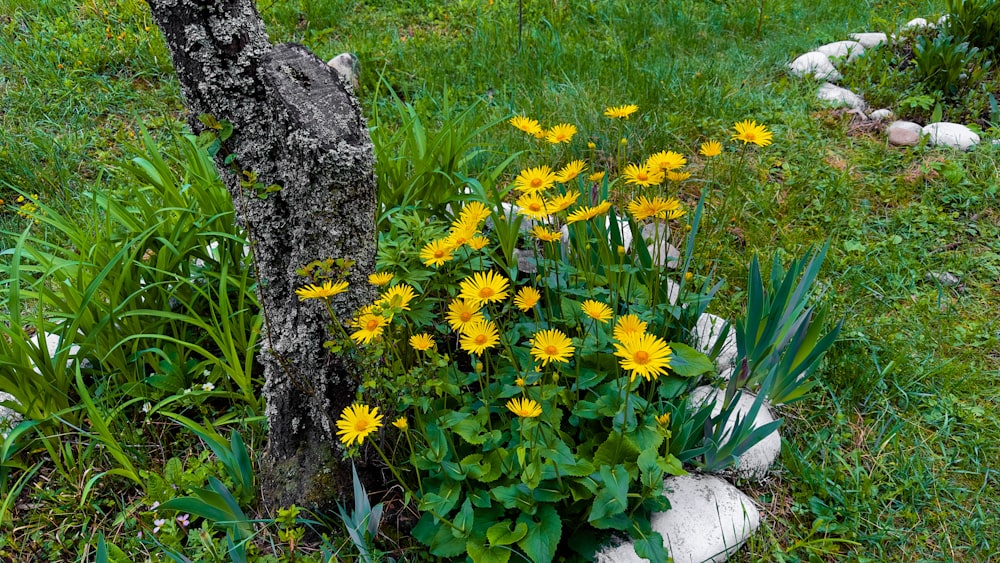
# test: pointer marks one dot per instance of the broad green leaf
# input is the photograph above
(612, 498)
(688, 362)
(501, 533)
(464, 520)
(544, 531)
(616, 449)
(513, 496)
(650, 546)
(486, 554)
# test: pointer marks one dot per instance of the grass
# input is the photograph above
(894, 459)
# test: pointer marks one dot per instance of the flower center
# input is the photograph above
(641, 357)
(480, 339)
(372, 324)
(551, 350)
(438, 253)
(536, 182)
(535, 206)
(642, 176)
(486, 292)
(465, 316)
(360, 425)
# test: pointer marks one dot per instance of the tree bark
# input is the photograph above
(297, 125)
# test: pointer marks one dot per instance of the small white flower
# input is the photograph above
(188, 390)
(147, 406)
(207, 372)
(207, 386)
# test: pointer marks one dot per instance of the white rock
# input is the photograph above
(525, 261)
(814, 64)
(951, 135)
(673, 291)
(9, 417)
(623, 229)
(755, 462)
(709, 520)
(917, 23)
(943, 20)
(946, 279)
(841, 96)
(53, 344)
(904, 133)
(869, 40)
(880, 115)
(346, 65)
(664, 254)
(707, 332)
(842, 49)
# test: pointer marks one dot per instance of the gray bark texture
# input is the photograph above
(297, 125)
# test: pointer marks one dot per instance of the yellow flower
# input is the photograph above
(551, 346)
(526, 298)
(534, 180)
(478, 242)
(532, 205)
(749, 132)
(525, 408)
(711, 148)
(641, 175)
(665, 161)
(570, 171)
(628, 325)
(562, 202)
(643, 208)
(597, 176)
(484, 287)
(357, 422)
(588, 213)
(461, 313)
(436, 253)
(519, 382)
(327, 290)
(664, 420)
(526, 124)
(370, 327)
(478, 336)
(543, 234)
(597, 310)
(675, 176)
(461, 233)
(421, 342)
(621, 112)
(397, 297)
(675, 213)
(644, 354)
(403, 425)
(562, 133)
(474, 212)
(380, 278)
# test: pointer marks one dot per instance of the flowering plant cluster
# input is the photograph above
(533, 354)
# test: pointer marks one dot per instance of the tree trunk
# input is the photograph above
(295, 124)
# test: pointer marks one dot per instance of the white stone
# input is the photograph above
(53, 345)
(880, 115)
(869, 40)
(917, 23)
(814, 64)
(664, 254)
(525, 261)
(9, 417)
(951, 135)
(943, 20)
(623, 229)
(842, 49)
(706, 333)
(673, 291)
(709, 520)
(904, 133)
(346, 65)
(755, 462)
(946, 279)
(841, 96)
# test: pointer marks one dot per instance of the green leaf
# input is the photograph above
(501, 533)
(464, 520)
(650, 472)
(650, 546)
(442, 502)
(514, 496)
(688, 362)
(612, 499)
(616, 449)
(486, 554)
(544, 531)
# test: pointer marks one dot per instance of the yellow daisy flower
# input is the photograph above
(478, 336)
(478, 242)
(534, 180)
(484, 287)
(642, 175)
(328, 289)
(562, 202)
(526, 298)
(461, 313)
(436, 253)
(357, 422)
(675, 213)
(665, 161)
(596, 310)
(643, 208)
(644, 354)
(532, 205)
(397, 297)
(543, 234)
(570, 171)
(380, 278)
(597, 176)
(664, 420)
(711, 148)
(621, 112)
(401, 423)
(562, 133)
(750, 132)
(369, 328)
(461, 233)
(675, 176)
(422, 342)
(526, 124)
(525, 408)
(588, 213)
(551, 346)
(628, 325)
(474, 212)
(519, 382)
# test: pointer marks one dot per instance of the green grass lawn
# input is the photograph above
(895, 456)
